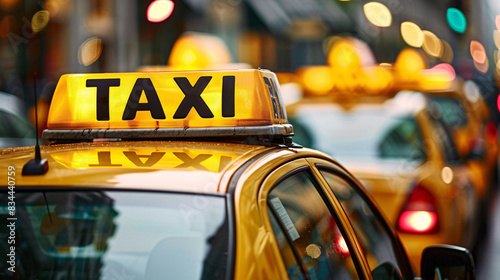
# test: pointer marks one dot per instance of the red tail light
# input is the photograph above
(420, 213)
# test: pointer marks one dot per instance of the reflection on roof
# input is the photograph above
(174, 166)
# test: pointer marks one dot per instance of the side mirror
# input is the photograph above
(447, 262)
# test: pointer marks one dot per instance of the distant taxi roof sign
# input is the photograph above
(167, 104)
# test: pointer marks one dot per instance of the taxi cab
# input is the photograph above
(460, 106)
(468, 118)
(190, 175)
(403, 155)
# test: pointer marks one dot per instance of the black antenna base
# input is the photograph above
(36, 167)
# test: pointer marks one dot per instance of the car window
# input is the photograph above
(117, 235)
(367, 132)
(375, 240)
(304, 223)
(450, 110)
(290, 260)
(403, 140)
(445, 140)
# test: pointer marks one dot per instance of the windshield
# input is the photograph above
(116, 235)
(366, 132)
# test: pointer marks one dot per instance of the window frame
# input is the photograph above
(291, 168)
(400, 251)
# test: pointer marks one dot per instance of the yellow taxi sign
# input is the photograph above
(166, 100)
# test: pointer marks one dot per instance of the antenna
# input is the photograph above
(38, 165)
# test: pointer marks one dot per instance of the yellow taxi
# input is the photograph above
(403, 155)
(460, 106)
(190, 175)
(467, 116)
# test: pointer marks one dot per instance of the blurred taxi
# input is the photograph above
(190, 175)
(460, 106)
(467, 115)
(404, 156)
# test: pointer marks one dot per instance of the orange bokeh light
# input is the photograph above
(477, 52)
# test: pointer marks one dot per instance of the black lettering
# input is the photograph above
(228, 96)
(104, 159)
(103, 86)
(193, 98)
(151, 159)
(192, 162)
(153, 105)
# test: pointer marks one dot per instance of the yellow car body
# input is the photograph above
(125, 192)
(467, 117)
(345, 126)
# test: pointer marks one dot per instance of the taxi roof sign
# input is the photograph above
(167, 104)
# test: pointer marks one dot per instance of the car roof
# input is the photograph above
(178, 166)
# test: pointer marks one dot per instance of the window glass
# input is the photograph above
(366, 132)
(376, 242)
(311, 230)
(116, 235)
(402, 140)
(293, 268)
(450, 110)
(446, 143)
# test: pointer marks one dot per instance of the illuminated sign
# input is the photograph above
(166, 100)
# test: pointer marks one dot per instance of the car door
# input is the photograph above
(379, 243)
(313, 235)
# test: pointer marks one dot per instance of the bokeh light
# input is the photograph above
(409, 62)
(446, 67)
(160, 10)
(317, 79)
(482, 67)
(89, 51)
(40, 20)
(350, 54)
(378, 14)
(447, 55)
(477, 52)
(498, 103)
(447, 174)
(432, 44)
(491, 133)
(496, 38)
(456, 20)
(412, 34)
(196, 51)
(497, 21)
(313, 250)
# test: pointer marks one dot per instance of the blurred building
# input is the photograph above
(115, 35)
